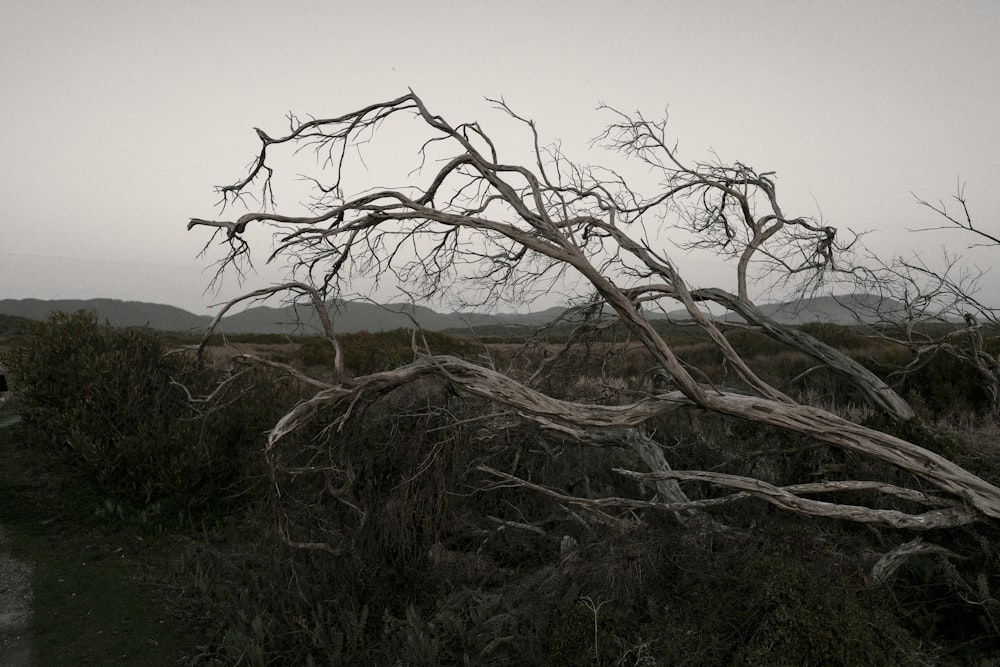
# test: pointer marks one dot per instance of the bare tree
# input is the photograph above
(733, 210)
(935, 308)
(466, 214)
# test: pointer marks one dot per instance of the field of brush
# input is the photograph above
(375, 535)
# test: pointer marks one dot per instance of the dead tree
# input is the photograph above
(513, 228)
(935, 308)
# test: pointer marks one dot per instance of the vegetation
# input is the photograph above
(608, 491)
(434, 562)
(115, 403)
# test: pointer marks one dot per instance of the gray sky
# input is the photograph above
(118, 118)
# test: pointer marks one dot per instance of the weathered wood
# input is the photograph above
(516, 227)
(586, 421)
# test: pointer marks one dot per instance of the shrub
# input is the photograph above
(953, 602)
(117, 403)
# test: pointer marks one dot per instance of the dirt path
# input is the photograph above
(15, 600)
(15, 609)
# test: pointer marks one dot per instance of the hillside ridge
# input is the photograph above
(353, 316)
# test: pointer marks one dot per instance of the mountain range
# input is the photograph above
(348, 316)
(352, 316)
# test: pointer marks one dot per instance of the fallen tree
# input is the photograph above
(468, 218)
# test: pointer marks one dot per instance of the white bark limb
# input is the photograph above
(891, 561)
(978, 496)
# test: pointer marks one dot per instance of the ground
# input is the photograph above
(90, 580)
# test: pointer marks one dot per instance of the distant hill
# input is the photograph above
(845, 309)
(355, 316)
(348, 317)
(352, 316)
(114, 312)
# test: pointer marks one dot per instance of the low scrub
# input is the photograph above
(115, 403)
(372, 535)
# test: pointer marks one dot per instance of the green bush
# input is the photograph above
(802, 620)
(735, 607)
(952, 601)
(119, 405)
(584, 634)
(945, 385)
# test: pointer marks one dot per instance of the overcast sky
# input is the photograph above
(118, 118)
